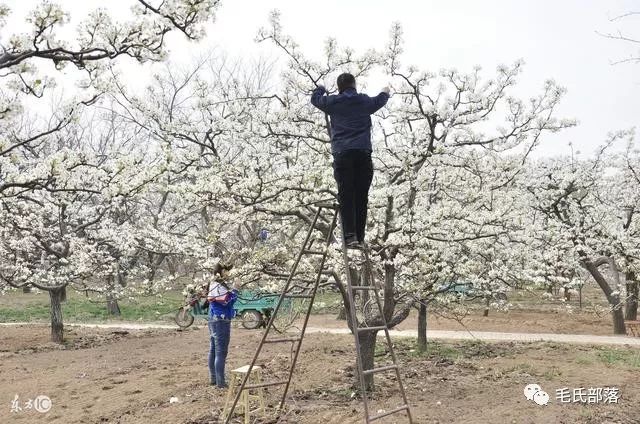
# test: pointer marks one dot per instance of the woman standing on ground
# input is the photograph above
(221, 299)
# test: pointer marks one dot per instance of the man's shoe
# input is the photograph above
(350, 240)
(354, 244)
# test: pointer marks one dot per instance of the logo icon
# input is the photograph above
(42, 404)
(534, 392)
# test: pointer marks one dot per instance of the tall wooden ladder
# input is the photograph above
(292, 290)
(364, 288)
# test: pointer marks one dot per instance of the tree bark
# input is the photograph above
(367, 341)
(567, 294)
(631, 304)
(342, 315)
(614, 300)
(487, 301)
(57, 328)
(113, 309)
(26, 289)
(422, 327)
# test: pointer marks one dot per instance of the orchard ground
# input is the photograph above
(106, 375)
(111, 376)
(529, 312)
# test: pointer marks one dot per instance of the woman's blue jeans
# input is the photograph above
(220, 333)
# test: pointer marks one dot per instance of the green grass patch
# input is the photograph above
(19, 307)
(521, 368)
(435, 349)
(16, 306)
(613, 356)
(584, 360)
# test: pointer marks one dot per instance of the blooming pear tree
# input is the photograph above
(621, 194)
(584, 212)
(441, 173)
(61, 201)
(67, 233)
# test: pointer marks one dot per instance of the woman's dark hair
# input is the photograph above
(218, 270)
(345, 81)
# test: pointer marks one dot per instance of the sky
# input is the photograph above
(557, 39)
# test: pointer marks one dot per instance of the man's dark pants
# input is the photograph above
(353, 171)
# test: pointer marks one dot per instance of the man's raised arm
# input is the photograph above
(379, 101)
(319, 100)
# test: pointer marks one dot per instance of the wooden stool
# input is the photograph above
(237, 376)
(633, 328)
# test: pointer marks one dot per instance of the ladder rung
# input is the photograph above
(393, 411)
(259, 385)
(301, 280)
(382, 327)
(327, 205)
(381, 369)
(363, 287)
(313, 252)
(299, 296)
(282, 340)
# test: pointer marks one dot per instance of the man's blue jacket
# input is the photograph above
(350, 114)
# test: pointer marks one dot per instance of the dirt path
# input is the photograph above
(431, 334)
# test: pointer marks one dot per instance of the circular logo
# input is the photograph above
(42, 404)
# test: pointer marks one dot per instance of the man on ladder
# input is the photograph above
(350, 114)
(350, 133)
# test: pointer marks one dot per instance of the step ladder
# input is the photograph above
(295, 291)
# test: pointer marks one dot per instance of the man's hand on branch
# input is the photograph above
(321, 88)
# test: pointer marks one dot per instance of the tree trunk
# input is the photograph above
(26, 289)
(422, 327)
(172, 266)
(63, 295)
(614, 300)
(367, 342)
(487, 301)
(55, 297)
(342, 315)
(631, 304)
(113, 309)
(618, 321)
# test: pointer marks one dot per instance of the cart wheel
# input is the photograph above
(183, 318)
(251, 319)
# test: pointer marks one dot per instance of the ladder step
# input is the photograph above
(393, 411)
(327, 205)
(363, 287)
(285, 339)
(313, 252)
(306, 281)
(259, 385)
(299, 296)
(381, 369)
(382, 327)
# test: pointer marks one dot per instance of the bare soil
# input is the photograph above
(104, 377)
(554, 320)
